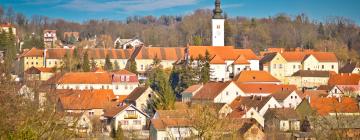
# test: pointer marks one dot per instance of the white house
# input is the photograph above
(122, 82)
(127, 116)
(141, 97)
(245, 112)
(171, 128)
(260, 103)
(288, 99)
(127, 43)
(218, 92)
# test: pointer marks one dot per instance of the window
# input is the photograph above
(142, 67)
(237, 93)
(32, 63)
(294, 67)
(102, 87)
(36, 63)
(117, 87)
(280, 66)
(218, 26)
(27, 62)
(227, 93)
(91, 113)
(124, 122)
(295, 97)
(127, 78)
(126, 87)
(149, 95)
(322, 66)
(137, 122)
(291, 97)
(332, 66)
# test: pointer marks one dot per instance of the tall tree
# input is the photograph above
(108, 65)
(86, 62)
(93, 64)
(158, 80)
(131, 66)
(205, 69)
(116, 65)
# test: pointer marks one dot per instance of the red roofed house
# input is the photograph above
(39, 73)
(141, 97)
(259, 103)
(90, 102)
(349, 84)
(128, 116)
(188, 93)
(255, 77)
(226, 61)
(217, 92)
(122, 82)
(288, 99)
(264, 89)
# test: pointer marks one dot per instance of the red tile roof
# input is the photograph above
(163, 123)
(37, 70)
(241, 60)
(33, 52)
(254, 76)
(162, 53)
(301, 56)
(217, 60)
(86, 99)
(85, 78)
(225, 52)
(265, 88)
(210, 90)
(344, 79)
(111, 112)
(193, 88)
(250, 102)
(324, 106)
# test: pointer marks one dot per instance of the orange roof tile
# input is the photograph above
(111, 112)
(249, 102)
(162, 53)
(37, 70)
(210, 90)
(301, 56)
(344, 79)
(33, 52)
(193, 88)
(85, 78)
(324, 106)
(86, 99)
(217, 60)
(123, 72)
(265, 88)
(225, 52)
(241, 60)
(254, 76)
(280, 50)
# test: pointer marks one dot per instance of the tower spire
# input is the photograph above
(217, 11)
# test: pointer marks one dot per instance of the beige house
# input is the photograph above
(141, 97)
(90, 102)
(39, 73)
(275, 64)
(309, 79)
(127, 116)
(31, 58)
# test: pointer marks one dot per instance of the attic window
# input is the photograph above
(260, 88)
(254, 77)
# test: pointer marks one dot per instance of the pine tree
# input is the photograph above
(116, 65)
(108, 65)
(131, 66)
(321, 30)
(86, 62)
(205, 69)
(158, 81)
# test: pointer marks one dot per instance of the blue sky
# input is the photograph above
(82, 10)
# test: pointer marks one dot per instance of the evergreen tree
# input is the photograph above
(67, 62)
(205, 69)
(116, 67)
(131, 66)
(321, 30)
(108, 65)
(86, 62)
(158, 81)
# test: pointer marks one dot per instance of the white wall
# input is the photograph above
(294, 99)
(272, 103)
(131, 123)
(254, 64)
(229, 94)
(218, 32)
(218, 72)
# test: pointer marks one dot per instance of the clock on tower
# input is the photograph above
(217, 26)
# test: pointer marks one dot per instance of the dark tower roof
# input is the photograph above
(217, 11)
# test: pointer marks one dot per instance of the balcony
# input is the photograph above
(131, 116)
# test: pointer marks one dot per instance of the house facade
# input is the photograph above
(127, 116)
(309, 79)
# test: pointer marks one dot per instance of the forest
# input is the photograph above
(337, 34)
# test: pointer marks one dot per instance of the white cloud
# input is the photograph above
(125, 5)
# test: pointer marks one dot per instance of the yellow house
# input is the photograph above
(31, 58)
(39, 73)
(144, 56)
(309, 79)
(275, 64)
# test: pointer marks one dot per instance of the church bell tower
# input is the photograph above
(218, 22)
